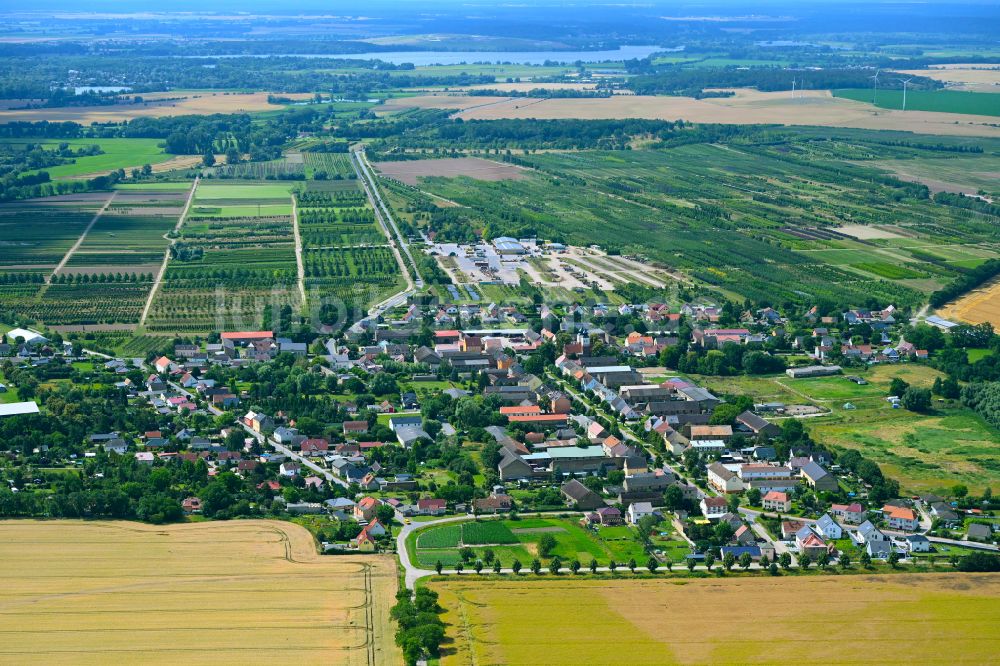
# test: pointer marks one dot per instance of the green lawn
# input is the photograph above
(118, 154)
(246, 191)
(519, 539)
(978, 354)
(154, 186)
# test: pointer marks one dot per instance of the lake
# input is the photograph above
(425, 58)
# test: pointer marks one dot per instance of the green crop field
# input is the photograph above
(945, 101)
(246, 210)
(118, 154)
(243, 191)
(446, 536)
(475, 533)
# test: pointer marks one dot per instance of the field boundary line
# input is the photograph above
(78, 243)
(299, 267)
(166, 254)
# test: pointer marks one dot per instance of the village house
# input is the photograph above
(900, 518)
(580, 497)
(810, 543)
(427, 506)
(874, 541)
(818, 478)
(639, 510)
(364, 510)
(495, 503)
(606, 516)
(828, 527)
(723, 479)
(853, 513)
(191, 505)
(777, 501)
(713, 507)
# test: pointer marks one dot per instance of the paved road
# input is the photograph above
(300, 268)
(302, 460)
(395, 243)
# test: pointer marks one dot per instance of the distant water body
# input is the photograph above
(424, 58)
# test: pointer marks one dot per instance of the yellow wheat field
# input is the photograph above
(76, 592)
(847, 619)
(978, 306)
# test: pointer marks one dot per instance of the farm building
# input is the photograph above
(30, 338)
(505, 245)
(18, 408)
(813, 371)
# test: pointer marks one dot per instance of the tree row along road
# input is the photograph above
(371, 187)
(300, 268)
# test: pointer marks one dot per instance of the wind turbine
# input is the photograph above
(905, 81)
(875, 78)
(793, 88)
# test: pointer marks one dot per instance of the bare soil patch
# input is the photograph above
(867, 232)
(411, 171)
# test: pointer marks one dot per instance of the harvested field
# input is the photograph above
(529, 86)
(122, 592)
(927, 619)
(186, 105)
(813, 107)
(977, 306)
(974, 78)
(411, 171)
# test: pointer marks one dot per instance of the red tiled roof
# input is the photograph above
(538, 418)
(243, 335)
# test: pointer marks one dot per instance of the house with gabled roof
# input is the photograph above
(810, 543)
(713, 507)
(775, 500)
(580, 497)
(901, 518)
(852, 513)
(828, 527)
(819, 478)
